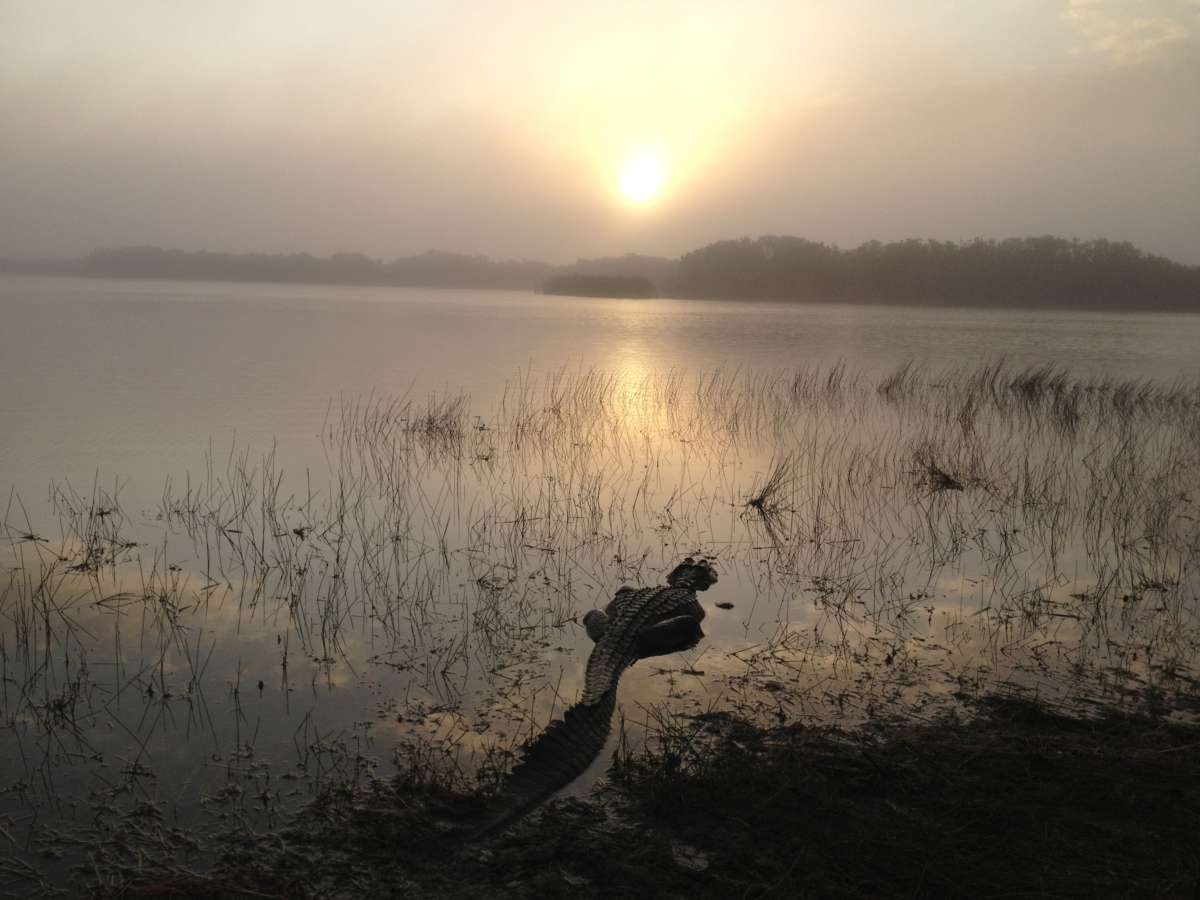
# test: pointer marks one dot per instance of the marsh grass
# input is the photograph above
(765, 497)
(1004, 796)
(887, 544)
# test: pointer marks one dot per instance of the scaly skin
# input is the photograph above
(640, 623)
(558, 756)
(617, 649)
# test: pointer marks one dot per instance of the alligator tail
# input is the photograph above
(553, 760)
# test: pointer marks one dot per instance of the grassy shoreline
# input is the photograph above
(886, 540)
(1007, 798)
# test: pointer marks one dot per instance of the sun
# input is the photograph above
(641, 178)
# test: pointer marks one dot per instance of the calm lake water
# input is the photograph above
(133, 379)
(259, 539)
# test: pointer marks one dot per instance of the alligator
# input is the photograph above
(636, 624)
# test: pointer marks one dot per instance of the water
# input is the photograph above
(133, 379)
(258, 541)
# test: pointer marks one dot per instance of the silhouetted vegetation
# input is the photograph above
(658, 270)
(1047, 272)
(1016, 800)
(599, 286)
(431, 269)
(39, 266)
(903, 545)
(1039, 271)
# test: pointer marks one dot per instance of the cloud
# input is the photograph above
(1128, 33)
(392, 128)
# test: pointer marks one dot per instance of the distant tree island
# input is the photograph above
(432, 269)
(1035, 272)
(1048, 272)
(633, 286)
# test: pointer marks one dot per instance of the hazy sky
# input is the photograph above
(505, 128)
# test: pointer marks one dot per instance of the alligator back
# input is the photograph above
(617, 648)
(642, 622)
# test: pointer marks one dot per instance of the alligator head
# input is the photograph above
(692, 574)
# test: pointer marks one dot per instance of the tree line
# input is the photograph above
(1034, 271)
(1047, 271)
(431, 269)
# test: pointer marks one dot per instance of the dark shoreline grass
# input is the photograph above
(460, 543)
(1012, 799)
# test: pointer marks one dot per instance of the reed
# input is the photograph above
(885, 542)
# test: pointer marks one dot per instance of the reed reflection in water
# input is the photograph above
(888, 544)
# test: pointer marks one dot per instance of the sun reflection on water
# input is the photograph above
(428, 587)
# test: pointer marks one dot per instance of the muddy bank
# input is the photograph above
(1007, 798)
